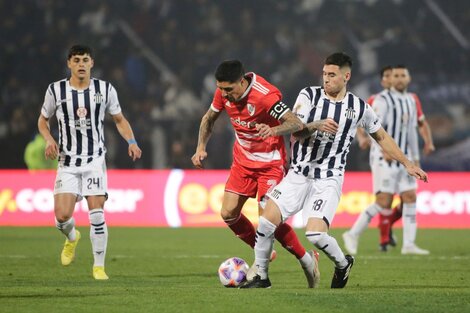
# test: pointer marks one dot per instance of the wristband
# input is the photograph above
(131, 141)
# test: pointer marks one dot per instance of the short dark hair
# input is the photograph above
(339, 58)
(402, 66)
(384, 69)
(229, 71)
(79, 50)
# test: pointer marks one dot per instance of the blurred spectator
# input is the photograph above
(164, 66)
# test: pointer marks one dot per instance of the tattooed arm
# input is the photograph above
(205, 131)
(290, 124)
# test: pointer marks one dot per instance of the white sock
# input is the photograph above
(98, 235)
(329, 245)
(306, 260)
(364, 219)
(409, 224)
(67, 228)
(264, 246)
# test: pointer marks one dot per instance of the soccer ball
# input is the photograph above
(232, 272)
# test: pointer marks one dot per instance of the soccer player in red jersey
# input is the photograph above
(260, 119)
(388, 217)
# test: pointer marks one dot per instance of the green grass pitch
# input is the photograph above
(175, 270)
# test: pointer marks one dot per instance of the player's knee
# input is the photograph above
(316, 238)
(408, 197)
(265, 227)
(229, 215)
(383, 200)
(62, 217)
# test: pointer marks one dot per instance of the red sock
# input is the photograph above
(244, 229)
(396, 215)
(289, 240)
(384, 227)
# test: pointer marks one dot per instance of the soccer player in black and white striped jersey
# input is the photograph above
(398, 112)
(80, 103)
(314, 181)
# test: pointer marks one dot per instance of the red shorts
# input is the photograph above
(249, 182)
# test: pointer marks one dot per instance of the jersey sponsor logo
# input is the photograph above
(83, 123)
(251, 109)
(82, 112)
(246, 124)
(98, 98)
(350, 113)
(321, 135)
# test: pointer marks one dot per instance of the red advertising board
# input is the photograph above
(192, 198)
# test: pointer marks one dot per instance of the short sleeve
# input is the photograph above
(380, 107)
(302, 106)
(49, 106)
(370, 121)
(419, 108)
(274, 105)
(217, 104)
(113, 105)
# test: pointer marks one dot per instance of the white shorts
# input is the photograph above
(391, 178)
(87, 180)
(318, 198)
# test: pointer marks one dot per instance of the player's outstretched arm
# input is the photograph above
(205, 131)
(126, 132)
(390, 147)
(290, 123)
(52, 150)
(327, 125)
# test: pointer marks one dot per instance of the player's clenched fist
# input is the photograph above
(198, 157)
(51, 150)
(328, 125)
(264, 131)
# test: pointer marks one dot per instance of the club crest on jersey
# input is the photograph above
(98, 98)
(81, 112)
(251, 109)
(350, 113)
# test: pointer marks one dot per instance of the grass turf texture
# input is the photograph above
(175, 270)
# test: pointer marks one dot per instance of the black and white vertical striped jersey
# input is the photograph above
(398, 114)
(324, 155)
(80, 115)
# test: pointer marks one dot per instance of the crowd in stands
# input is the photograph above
(163, 67)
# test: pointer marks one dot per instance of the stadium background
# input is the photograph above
(160, 56)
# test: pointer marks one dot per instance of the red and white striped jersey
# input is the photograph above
(261, 103)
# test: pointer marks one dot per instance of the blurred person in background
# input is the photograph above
(388, 217)
(260, 119)
(399, 113)
(35, 155)
(80, 103)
